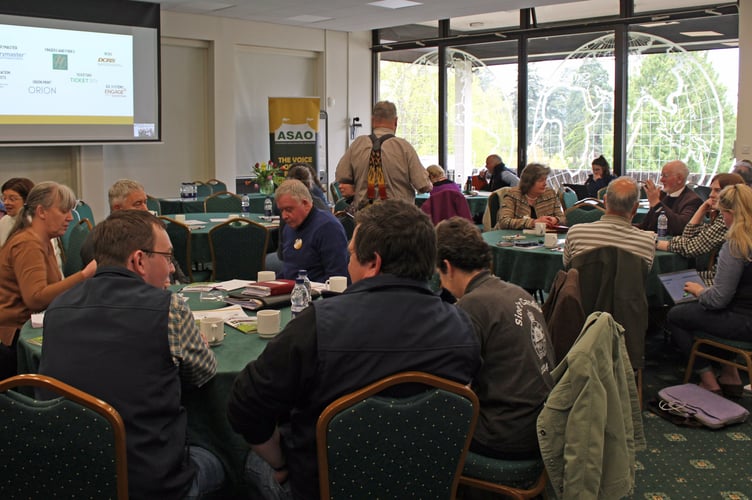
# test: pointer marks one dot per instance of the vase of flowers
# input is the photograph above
(267, 174)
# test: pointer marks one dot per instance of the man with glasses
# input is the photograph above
(673, 199)
(124, 339)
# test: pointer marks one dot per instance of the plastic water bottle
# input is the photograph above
(662, 225)
(298, 297)
(268, 206)
(245, 204)
(304, 275)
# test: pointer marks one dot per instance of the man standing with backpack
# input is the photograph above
(382, 166)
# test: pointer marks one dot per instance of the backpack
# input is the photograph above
(375, 169)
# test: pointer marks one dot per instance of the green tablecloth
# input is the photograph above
(206, 406)
(535, 269)
(200, 251)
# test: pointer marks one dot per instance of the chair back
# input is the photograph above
(334, 190)
(72, 446)
(371, 445)
(580, 190)
(238, 249)
(180, 237)
(202, 189)
(613, 280)
(348, 222)
(446, 204)
(223, 201)
(493, 206)
(702, 191)
(153, 205)
(85, 212)
(567, 197)
(216, 185)
(583, 211)
(66, 236)
(78, 233)
(602, 193)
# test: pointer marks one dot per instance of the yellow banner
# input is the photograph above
(293, 130)
(293, 111)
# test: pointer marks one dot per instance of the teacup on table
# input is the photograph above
(336, 284)
(267, 323)
(213, 330)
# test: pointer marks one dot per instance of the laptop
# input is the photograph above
(674, 284)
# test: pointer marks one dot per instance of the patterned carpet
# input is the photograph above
(682, 463)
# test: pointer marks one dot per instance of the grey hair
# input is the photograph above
(46, 195)
(294, 188)
(121, 189)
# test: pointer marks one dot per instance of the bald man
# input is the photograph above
(674, 199)
(615, 227)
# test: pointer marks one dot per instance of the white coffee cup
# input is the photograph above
(267, 322)
(551, 240)
(180, 217)
(336, 283)
(213, 330)
(540, 228)
(266, 276)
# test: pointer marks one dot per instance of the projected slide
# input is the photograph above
(53, 76)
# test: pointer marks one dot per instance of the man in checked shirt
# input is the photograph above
(124, 339)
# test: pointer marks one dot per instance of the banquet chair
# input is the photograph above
(373, 445)
(518, 479)
(84, 211)
(153, 205)
(72, 446)
(583, 212)
(601, 195)
(180, 237)
(223, 201)
(202, 189)
(568, 197)
(216, 185)
(742, 350)
(348, 222)
(73, 262)
(238, 249)
(66, 236)
(334, 190)
(492, 208)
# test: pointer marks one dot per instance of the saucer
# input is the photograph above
(267, 335)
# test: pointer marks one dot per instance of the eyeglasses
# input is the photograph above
(167, 255)
(12, 199)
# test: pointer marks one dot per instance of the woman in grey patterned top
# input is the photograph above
(699, 237)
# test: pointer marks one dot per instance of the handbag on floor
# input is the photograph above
(692, 401)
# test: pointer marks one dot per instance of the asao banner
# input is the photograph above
(294, 130)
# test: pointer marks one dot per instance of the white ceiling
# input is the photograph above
(348, 15)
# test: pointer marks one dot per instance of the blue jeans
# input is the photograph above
(260, 475)
(210, 475)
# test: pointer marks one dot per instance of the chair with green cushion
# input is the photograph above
(373, 445)
(72, 446)
(743, 351)
(153, 205)
(223, 201)
(78, 233)
(238, 249)
(583, 212)
(180, 237)
(216, 185)
(66, 236)
(602, 193)
(85, 212)
(492, 208)
(202, 189)
(568, 197)
(518, 479)
(334, 190)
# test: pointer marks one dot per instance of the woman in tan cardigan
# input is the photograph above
(29, 275)
(530, 201)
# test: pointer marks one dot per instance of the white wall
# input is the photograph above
(744, 111)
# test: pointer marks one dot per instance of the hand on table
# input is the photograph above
(548, 220)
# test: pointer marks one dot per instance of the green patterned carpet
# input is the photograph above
(682, 463)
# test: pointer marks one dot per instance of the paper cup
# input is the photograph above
(267, 322)
(213, 330)
(336, 283)
(540, 228)
(551, 240)
(266, 276)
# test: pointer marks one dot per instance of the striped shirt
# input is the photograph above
(189, 351)
(609, 231)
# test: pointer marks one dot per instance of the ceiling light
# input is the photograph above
(394, 4)
(476, 24)
(700, 33)
(659, 18)
(658, 24)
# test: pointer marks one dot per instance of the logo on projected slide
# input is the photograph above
(115, 91)
(60, 61)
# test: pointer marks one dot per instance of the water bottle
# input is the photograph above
(298, 297)
(304, 275)
(245, 204)
(662, 225)
(268, 206)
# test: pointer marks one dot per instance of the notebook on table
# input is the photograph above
(674, 284)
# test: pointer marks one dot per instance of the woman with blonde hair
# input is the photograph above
(725, 309)
(29, 275)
